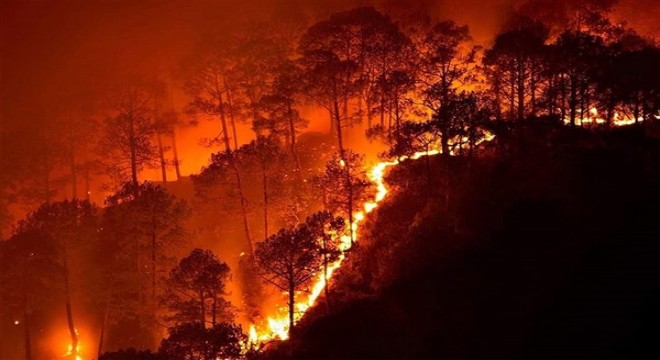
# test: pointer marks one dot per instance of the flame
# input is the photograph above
(72, 353)
(278, 326)
(617, 120)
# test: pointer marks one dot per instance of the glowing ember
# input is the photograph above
(278, 326)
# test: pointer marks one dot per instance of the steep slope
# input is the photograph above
(547, 250)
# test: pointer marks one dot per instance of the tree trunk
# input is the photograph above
(292, 135)
(292, 289)
(532, 89)
(349, 183)
(337, 121)
(342, 156)
(444, 140)
(74, 177)
(636, 108)
(382, 111)
(223, 124)
(153, 264)
(265, 189)
(326, 291)
(397, 118)
(428, 172)
(202, 307)
(175, 154)
(214, 309)
(161, 154)
(104, 325)
(498, 89)
(370, 115)
(243, 202)
(573, 100)
(231, 113)
(133, 145)
(88, 192)
(69, 310)
(333, 125)
(521, 90)
(512, 95)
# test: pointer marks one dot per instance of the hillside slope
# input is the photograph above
(547, 250)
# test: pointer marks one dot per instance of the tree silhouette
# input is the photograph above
(29, 274)
(127, 139)
(327, 229)
(345, 184)
(70, 225)
(194, 341)
(277, 115)
(288, 259)
(156, 217)
(195, 288)
(221, 180)
(515, 68)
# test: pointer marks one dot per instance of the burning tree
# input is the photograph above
(28, 276)
(345, 184)
(288, 260)
(327, 230)
(195, 289)
(70, 226)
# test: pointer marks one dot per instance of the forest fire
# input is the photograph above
(277, 326)
(184, 182)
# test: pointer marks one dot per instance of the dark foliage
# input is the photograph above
(194, 341)
(548, 254)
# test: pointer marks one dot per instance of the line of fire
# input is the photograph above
(294, 179)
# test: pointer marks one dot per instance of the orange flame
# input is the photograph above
(72, 353)
(619, 119)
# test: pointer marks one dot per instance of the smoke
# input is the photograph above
(58, 54)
